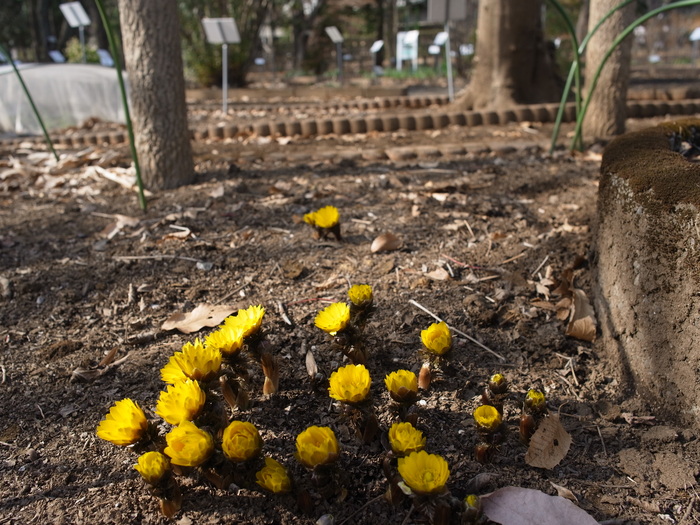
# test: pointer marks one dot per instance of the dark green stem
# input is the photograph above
(628, 30)
(130, 128)
(31, 101)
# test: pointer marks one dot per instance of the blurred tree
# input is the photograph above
(513, 63)
(608, 109)
(203, 60)
(153, 56)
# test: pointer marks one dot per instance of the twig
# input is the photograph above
(3, 374)
(283, 314)
(460, 263)
(156, 257)
(363, 507)
(544, 261)
(602, 441)
(408, 516)
(235, 290)
(418, 305)
(515, 257)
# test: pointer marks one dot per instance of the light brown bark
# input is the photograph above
(513, 63)
(608, 104)
(153, 57)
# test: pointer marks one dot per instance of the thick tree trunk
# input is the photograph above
(607, 110)
(151, 38)
(513, 63)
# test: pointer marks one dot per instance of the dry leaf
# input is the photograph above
(386, 242)
(519, 506)
(120, 222)
(311, 367)
(203, 315)
(582, 323)
(439, 274)
(564, 492)
(549, 445)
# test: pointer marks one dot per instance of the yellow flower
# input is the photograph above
(333, 318)
(250, 320)
(241, 441)
(437, 338)
(181, 402)
(195, 361)
(498, 384)
(487, 418)
(317, 446)
(424, 473)
(124, 425)
(402, 386)
(535, 401)
(361, 295)
(404, 438)
(273, 477)
(350, 384)
(188, 446)
(152, 466)
(228, 340)
(326, 217)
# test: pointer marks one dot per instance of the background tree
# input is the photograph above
(513, 63)
(152, 52)
(608, 105)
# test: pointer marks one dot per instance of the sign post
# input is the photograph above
(76, 16)
(376, 47)
(337, 39)
(222, 31)
(442, 11)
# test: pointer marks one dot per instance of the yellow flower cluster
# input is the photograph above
(317, 446)
(228, 340)
(361, 295)
(333, 318)
(241, 441)
(402, 386)
(350, 384)
(195, 361)
(437, 338)
(325, 217)
(188, 445)
(487, 418)
(124, 425)
(248, 320)
(181, 402)
(404, 438)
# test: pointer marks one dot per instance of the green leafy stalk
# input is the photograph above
(130, 128)
(31, 102)
(575, 70)
(628, 30)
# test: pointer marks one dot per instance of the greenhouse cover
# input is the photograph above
(65, 94)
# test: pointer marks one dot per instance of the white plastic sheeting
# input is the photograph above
(65, 94)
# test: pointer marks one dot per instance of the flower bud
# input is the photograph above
(535, 402)
(528, 426)
(424, 376)
(487, 419)
(498, 384)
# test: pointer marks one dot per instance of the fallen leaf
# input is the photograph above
(564, 492)
(520, 506)
(549, 444)
(386, 242)
(208, 315)
(582, 323)
(440, 274)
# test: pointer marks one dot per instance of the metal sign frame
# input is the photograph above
(337, 38)
(75, 15)
(222, 31)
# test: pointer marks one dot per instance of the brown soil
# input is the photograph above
(498, 218)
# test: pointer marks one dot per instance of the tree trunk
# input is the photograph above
(513, 63)
(608, 107)
(151, 38)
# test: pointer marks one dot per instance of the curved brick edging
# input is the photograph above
(381, 120)
(648, 265)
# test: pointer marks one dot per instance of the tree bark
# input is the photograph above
(513, 63)
(608, 104)
(152, 53)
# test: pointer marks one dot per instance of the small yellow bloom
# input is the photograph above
(498, 384)
(333, 318)
(326, 217)
(241, 441)
(195, 361)
(181, 402)
(535, 401)
(361, 295)
(188, 446)
(350, 384)
(424, 473)
(402, 386)
(273, 477)
(228, 340)
(437, 338)
(152, 466)
(317, 446)
(404, 438)
(124, 425)
(250, 320)
(487, 418)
